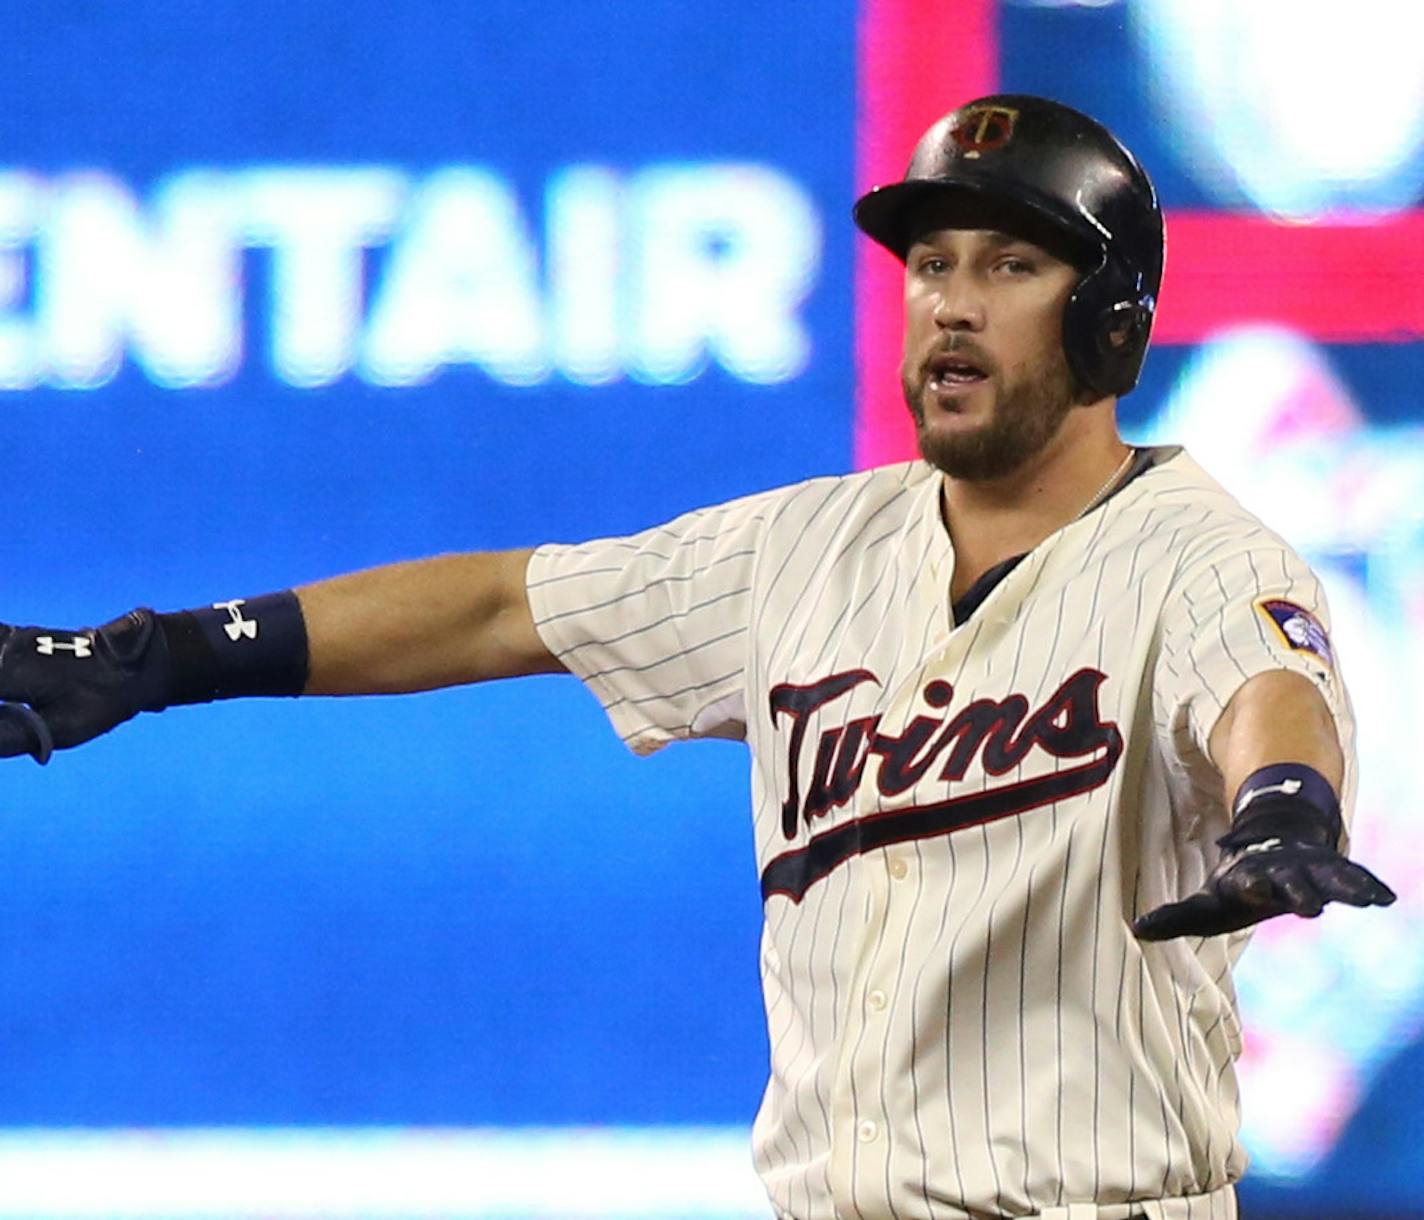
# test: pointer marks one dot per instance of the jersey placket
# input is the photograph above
(878, 1123)
(863, 1132)
(861, 1136)
(866, 1137)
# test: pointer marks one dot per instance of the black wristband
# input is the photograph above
(1287, 801)
(241, 647)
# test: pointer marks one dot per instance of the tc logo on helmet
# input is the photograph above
(984, 128)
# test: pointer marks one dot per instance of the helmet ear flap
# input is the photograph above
(1106, 326)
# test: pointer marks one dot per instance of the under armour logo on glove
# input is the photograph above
(49, 703)
(238, 627)
(47, 646)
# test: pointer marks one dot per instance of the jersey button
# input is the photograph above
(877, 1000)
(899, 869)
(866, 1130)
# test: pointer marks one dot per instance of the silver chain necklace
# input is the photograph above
(1102, 491)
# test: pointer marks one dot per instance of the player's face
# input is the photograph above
(984, 372)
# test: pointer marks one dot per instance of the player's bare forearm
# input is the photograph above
(1276, 717)
(420, 625)
(413, 626)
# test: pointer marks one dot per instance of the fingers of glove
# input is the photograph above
(1249, 881)
(1342, 880)
(24, 731)
(1205, 913)
(1298, 892)
(1303, 879)
(1273, 883)
(82, 717)
(1260, 887)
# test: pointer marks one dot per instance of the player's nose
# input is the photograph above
(960, 303)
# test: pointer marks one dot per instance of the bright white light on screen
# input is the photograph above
(161, 280)
(1298, 107)
(461, 287)
(722, 260)
(317, 224)
(656, 274)
(393, 1174)
(583, 210)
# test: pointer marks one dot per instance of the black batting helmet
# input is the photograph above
(1058, 171)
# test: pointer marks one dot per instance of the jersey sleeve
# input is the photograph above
(656, 624)
(1255, 608)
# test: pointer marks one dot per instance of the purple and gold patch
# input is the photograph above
(1298, 628)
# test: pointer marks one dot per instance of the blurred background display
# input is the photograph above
(287, 290)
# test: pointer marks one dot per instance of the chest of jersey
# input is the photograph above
(888, 724)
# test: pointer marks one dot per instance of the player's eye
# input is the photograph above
(931, 264)
(1014, 264)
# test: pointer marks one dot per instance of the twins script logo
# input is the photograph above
(1000, 734)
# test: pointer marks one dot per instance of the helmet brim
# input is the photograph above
(897, 214)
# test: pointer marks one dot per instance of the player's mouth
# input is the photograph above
(953, 374)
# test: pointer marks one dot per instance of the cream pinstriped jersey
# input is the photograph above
(956, 825)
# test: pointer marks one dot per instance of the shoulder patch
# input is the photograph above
(1299, 630)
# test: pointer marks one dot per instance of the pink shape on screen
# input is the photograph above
(1336, 282)
(918, 59)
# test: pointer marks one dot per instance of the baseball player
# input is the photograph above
(1040, 724)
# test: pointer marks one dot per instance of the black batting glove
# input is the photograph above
(1279, 858)
(63, 688)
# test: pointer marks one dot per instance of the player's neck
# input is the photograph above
(991, 520)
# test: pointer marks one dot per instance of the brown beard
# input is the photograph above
(1027, 416)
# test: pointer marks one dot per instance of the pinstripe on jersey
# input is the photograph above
(961, 1022)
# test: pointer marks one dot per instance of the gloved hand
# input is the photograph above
(63, 688)
(1282, 860)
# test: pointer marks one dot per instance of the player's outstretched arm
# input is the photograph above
(414, 626)
(422, 625)
(1278, 752)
